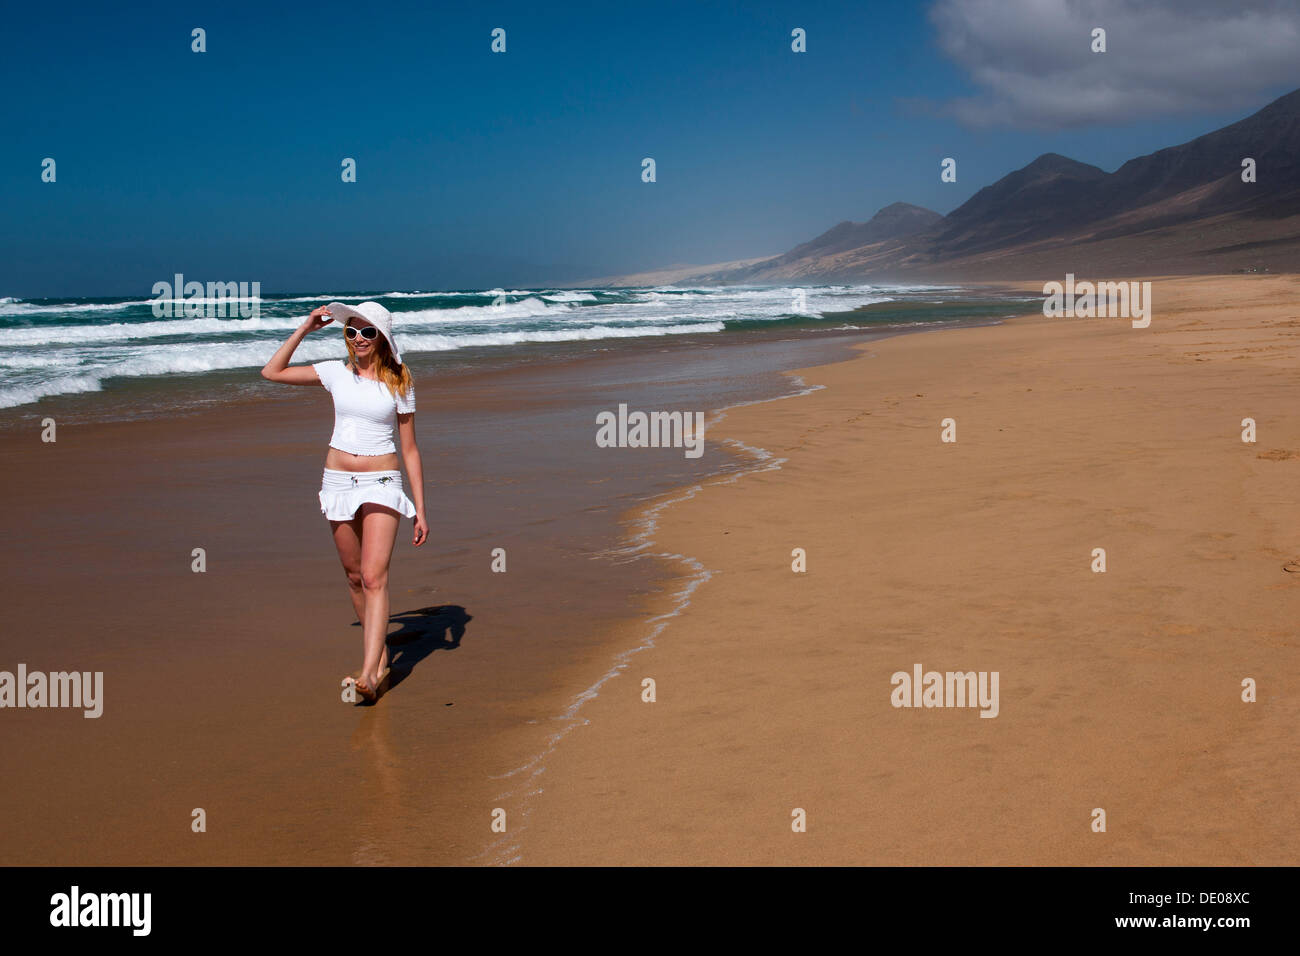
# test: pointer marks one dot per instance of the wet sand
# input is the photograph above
(1120, 691)
(222, 687)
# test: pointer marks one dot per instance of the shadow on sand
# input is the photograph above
(428, 629)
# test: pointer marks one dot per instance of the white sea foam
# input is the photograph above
(326, 297)
(32, 308)
(127, 331)
(441, 343)
(569, 296)
(76, 346)
(195, 357)
(506, 850)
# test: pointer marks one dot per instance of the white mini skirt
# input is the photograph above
(343, 492)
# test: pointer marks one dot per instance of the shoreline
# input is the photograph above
(185, 382)
(114, 509)
(624, 743)
(641, 523)
(676, 542)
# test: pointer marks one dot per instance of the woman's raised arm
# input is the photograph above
(277, 369)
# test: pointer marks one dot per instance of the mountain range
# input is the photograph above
(1180, 210)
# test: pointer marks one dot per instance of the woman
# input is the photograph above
(361, 489)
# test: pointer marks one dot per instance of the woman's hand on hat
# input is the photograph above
(318, 319)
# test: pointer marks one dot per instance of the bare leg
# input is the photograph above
(379, 533)
(347, 540)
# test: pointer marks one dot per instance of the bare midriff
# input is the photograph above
(340, 460)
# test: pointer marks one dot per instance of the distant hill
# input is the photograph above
(1183, 209)
(668, 275)
(893, 222)
(1050, 194)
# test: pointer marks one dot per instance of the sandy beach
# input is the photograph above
(522, 692)
(221, 686)
(1119, 690)
(849, 440)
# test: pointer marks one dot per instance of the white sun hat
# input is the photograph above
(372, 312)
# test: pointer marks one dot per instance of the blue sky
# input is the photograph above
(477, 169)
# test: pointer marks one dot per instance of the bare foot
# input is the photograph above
(371, 684)
(366, 687)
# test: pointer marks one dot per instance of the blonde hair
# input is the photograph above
(396, 376)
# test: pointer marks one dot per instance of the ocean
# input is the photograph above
(117, 345)
(169, 440)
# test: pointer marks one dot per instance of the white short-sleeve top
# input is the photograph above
(365, 411)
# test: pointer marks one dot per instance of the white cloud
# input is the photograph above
(1033, 63)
